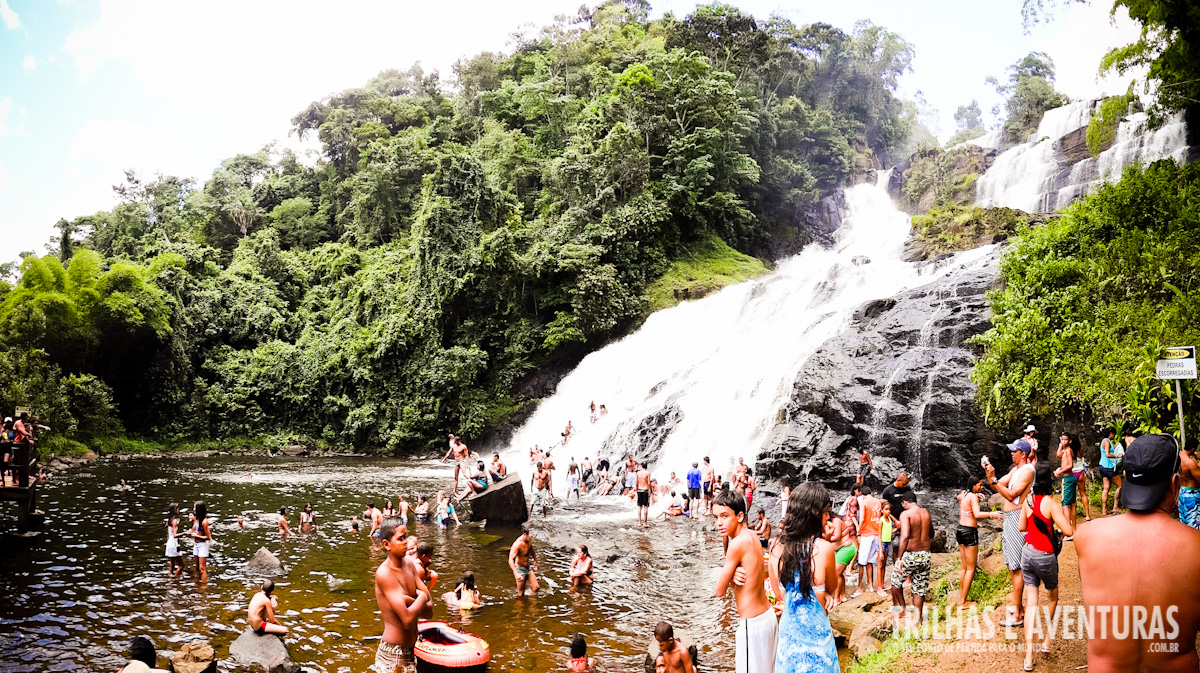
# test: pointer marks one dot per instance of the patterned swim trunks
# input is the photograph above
(1189, 506)
(916, 566)
(391, 658)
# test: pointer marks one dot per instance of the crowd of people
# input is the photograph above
(13, 434)
(785, 577)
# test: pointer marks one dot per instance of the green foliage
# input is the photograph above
(951, 228)
(1086, 294)
(1151, 404)
(938, 177)
(1102, 128)
(1168, 48)
(452, 240)
(709, 264)
(1028, 93)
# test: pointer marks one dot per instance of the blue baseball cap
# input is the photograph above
(1022, 446)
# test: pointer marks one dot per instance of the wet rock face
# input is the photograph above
(896, 380)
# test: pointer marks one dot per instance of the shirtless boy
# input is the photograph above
(1142, 560)
(540, 484)
(643, 495)
(261, 613)
(1014, 487)
(912, 554)
(523, 561)
(675, 656)
(498, 470)
(755, 638)
(402, 596)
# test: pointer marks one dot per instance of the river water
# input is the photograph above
(76, 594)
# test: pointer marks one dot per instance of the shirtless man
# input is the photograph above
(261, 613)
(1189, 485)
(706, 487)
(674, 655)
(402, 506)
(643, 495)
(865, 465)
(1139, 561)
(539, 483)
(376, 520)
(424, 559)
(585, 473)
(402, 597)
(548, 464)
(912, 554)
(283, 527)
(523, 561)
(1014, 487)
(498, 470)
(755, 637)
(462, 456)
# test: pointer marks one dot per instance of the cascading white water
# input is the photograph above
(1022, 177)
(726, 364)
(1036, 176)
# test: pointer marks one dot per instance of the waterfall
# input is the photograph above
(709, 377)
(1038, 176)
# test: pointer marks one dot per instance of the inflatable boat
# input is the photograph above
(443, 646)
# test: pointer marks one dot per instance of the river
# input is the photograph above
(96, 577)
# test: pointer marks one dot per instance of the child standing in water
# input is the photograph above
(202, 535)
(174, 559)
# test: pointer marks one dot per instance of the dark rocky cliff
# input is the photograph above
(897, 380)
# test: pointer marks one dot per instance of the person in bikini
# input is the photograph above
(843, 535)
(580, 662)
(261, 613)
(523, 561)
(581, 567)
(402, 597)
(967, 535)
(202, 536)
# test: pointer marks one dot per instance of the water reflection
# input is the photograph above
(98, 575)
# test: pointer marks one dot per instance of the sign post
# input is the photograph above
(1177, 362)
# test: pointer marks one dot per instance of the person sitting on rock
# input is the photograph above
(478, 482)
(261, 613)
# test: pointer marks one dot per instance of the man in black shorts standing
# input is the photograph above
(643, 495)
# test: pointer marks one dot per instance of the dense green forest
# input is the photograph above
(1088, 299)
(455, 236)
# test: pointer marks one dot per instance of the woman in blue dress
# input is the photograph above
(801, 563)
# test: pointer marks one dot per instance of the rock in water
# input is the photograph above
(266, 652)
(194, 657)
(683, 638)
(294, 450)
(502, 502)
(265, 563)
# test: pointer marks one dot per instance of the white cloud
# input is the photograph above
(5, 106)
(30, 63)
(10, 18)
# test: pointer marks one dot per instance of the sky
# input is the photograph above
(90, 88)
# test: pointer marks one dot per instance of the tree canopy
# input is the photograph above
(453, 238)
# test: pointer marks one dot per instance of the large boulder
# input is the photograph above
(684, 639)
(502, 502)
(294, 450)
(265, 563)
(194, 657)
(845, 617)
(266, 652)
(870, 632)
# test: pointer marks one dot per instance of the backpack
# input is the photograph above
(1056, 542)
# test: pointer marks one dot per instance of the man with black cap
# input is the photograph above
(1142, 563)
(1014, 487)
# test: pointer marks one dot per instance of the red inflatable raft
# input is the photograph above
(441, 645)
